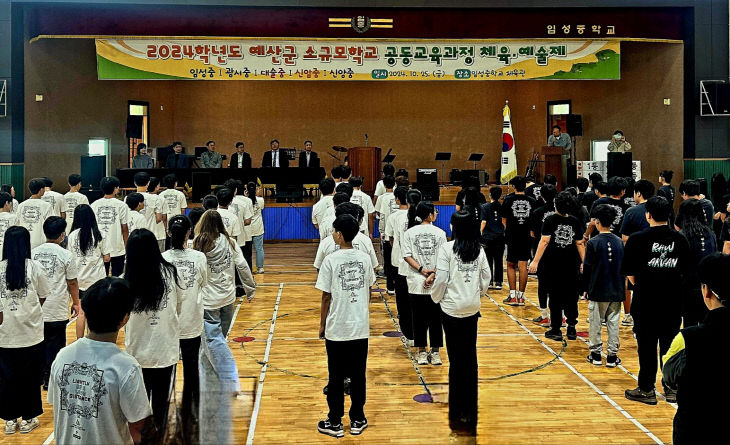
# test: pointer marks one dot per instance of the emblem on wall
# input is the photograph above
(360, 23)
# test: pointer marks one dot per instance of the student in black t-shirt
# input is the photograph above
(666, 190)
(656, 260)
(582, 184)
(590, 197)
(536, 221)
(690, 189)
(493, 236)
(615, 189)
(515, 212)
(532, 189)
(558, 259)
(602, 267)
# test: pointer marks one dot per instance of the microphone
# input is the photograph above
(366, 139)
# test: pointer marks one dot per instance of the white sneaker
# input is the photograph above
(260, 270)
(28, 426)
(11, 426)
(628, 320)
(436, 358)
(422, 358)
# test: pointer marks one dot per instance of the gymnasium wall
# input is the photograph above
(416, 119)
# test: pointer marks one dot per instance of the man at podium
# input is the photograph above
(562, 140)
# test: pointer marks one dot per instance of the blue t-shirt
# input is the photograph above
(634, 220)
(602, 265)
(490, 213)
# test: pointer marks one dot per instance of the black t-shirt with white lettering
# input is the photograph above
(658, 258)
(618, 205)
(539, 216)
(561, 253)
(517, 209)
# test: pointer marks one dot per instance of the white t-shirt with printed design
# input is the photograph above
(7, 219)
(244, 211)
(22, 314)
(364, 201)
(395, 228)
(158, 228)
(347, 275)
(173, 202)
(192, 270)
(32, 213)
(90, 265)
(60, 268)
(136, 221)
(459, 286)
(321, 208)
(361, 242)
(56, 201)
(256, 227)
(230, 222)
(111, 213)
(385, 205)
(73, 200)
(224, 261)
(326, 226)
(96, 390)
(422, 242)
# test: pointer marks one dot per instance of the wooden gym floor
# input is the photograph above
(532, 390)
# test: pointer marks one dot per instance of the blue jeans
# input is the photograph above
(219, 317)
(258, 245)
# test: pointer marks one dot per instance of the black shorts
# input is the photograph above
(518, 249)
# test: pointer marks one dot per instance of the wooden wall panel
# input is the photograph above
(416, 119)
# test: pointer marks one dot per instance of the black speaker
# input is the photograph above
(93, 169)
(201, 185)
(134, 127)
(574, 125)
(92, 195)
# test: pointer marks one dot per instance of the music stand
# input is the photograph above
(443, 157)
(475, 157)
(388, 159)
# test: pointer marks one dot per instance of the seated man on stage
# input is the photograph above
(240, 159)
(308, 158)
(275, 158)
(211, 158)
(619, 144)
(142, 160)
(178, 159)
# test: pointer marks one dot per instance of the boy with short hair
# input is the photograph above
(230, 220)
(388, 170)
(173, 200)
(515, 211)
(345, 279)
(73, 198)
(8, 218)
(32, 212)
(326, 227)
(159, 222)
(112, 216)
(324, 205)
(614, 189)
(360, 198)
(361, 242)
(102, 383)
(55, 199)
(384, 206)
(62, 283)
(602, 266)
(135, 202)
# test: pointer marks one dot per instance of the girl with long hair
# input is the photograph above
(702, 242)
(153, 331)
(224, 260)
(420, 247)
(23, 289)
(256, 228)
(461, 277)
(192, 269)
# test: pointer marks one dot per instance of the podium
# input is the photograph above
(553, 164)
(365, 162)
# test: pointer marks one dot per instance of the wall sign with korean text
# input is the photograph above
(276, 59)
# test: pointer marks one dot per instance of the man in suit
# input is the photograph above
(275, 158)
(240, 159)
(308, 158)
(178, 159)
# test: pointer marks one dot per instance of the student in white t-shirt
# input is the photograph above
(345, 279)
(388, 170)
(224, 259)
(8, 188)
(152, 335)
(173, 200)
(61, 272)
(135, 202)
(394, 229)
(112, 216)
(383, 208)
(33, 212)
(242, 207)
(192, 270)
(360, 198)
(152, 210)
(55, 199)
(325, 227)
(23, 290)
(73, 198)
(230, 220)
(420, 246)
(105, 383)
(7, 218)
(159, 222)
(361, 241)
(324, 206)
(256, 229)
(90, 253)
(462, 276)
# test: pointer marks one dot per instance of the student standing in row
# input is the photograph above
(384, 206)
(73, 198)
(396, 226)
(7, 218)
(324, 206)
(61, 273)
(515, 212)
(615, 190)
(112, 216)
(192, 269)
(493, 236)
(558, 258)
(256, 229)
(388, 170)
(655, 261)
(9, 189)
(345, 279)
(230, 220)
(242, 207)
(135, 202)
(360, 198)
(602, 265)
(420, 247)
(54, 199)
(461, 277)
(361, 241)
(33, 212)
(159, 223)
(667, 191)
(152, 333)
(22, 293)
(547, 193)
